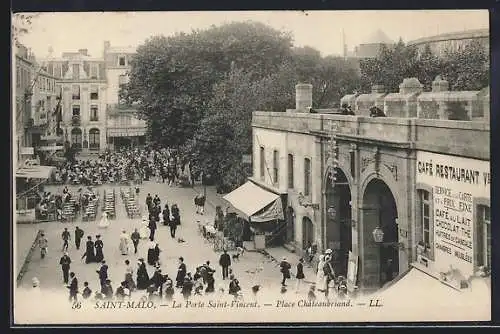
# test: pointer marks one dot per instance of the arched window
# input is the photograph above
(94, 136)
(76, 138)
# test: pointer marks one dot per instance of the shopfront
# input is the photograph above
(453, 224)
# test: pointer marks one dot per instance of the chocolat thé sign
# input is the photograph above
(456, 183)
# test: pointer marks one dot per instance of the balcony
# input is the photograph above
(76, 120)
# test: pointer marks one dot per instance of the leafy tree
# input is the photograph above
(429, 67)
(213, 148)
(467, 68)
(172, 78)
(21, 25)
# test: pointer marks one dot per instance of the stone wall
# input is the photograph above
(470, 139)
(411, 102)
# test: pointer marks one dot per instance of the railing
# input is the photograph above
(75, 120)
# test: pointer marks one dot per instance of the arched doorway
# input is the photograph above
(94, 139)
(290, 225)
(338, 218)
(380, 263)
(307, 232)
(76, 138)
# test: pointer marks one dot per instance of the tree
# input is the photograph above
(172, 78)
(21, 25)
(429, 67)
(213, 148)
(467, 68)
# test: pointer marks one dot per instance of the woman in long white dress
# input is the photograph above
(144, 231)
(320, 275)
(124, 243)
(104, 222)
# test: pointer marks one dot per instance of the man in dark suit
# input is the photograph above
(225, 262)
(73, 288)
(78, 237)
(65, 264)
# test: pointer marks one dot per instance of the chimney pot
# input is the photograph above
(303, 97)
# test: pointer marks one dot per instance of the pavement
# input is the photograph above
(252, 268)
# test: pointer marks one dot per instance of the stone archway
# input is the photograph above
(338, 218)
(380, 261)
(307, 232)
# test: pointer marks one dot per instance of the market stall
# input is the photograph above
(261, 210)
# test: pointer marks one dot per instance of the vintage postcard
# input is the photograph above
(251, 167)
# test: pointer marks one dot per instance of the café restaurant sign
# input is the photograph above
(455, 183)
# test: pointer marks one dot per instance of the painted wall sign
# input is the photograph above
(455, 182)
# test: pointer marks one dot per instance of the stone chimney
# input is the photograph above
(410, 86)
(107, 45)
(440, 85)
(83, 52)
(378, 89)
(303, 97)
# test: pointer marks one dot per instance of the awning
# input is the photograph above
(126, 132)
(254, 203)
(50, 148)
(35, 172)
(428, 295)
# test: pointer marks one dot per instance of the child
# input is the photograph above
(87, 292)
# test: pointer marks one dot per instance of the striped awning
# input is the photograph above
(126, 132)
(35, 172)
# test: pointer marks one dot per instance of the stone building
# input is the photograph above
(23, 60)
(123, 127)
(440, 44)
(387, 193)
(44, 112)
(81, 81)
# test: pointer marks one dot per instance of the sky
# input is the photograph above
(66, 32)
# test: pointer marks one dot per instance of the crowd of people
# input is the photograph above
(164, 166)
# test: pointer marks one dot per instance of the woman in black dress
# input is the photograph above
(166, 215)
(151, 254)
(89, 251)
(142, 276)
(99, 255)
(300, 274)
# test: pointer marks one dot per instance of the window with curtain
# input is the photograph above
(94, 68)
(276, 161)
(290, 171)
(94, 92)
(483, 254)
(94, 113)
(76, 92)
(425, 228)
(94, 137)
(307, 177)
(262, 162)
(76, 71)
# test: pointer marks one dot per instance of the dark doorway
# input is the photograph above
(307, 232)
(338, 219)
(290, 225)
(380, 260)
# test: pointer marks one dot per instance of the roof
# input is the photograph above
(378, 37)
(468, 34)
(122, 49)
